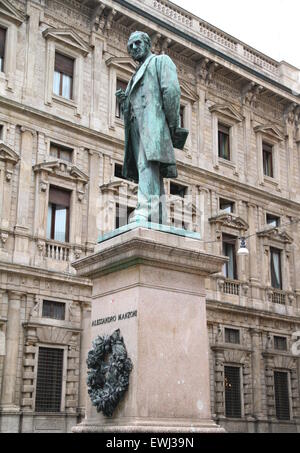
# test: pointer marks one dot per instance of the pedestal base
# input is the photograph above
(149, 426)
(151, 286)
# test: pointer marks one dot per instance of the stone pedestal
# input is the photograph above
(150, 285)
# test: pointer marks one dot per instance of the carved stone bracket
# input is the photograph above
(205, 70)
(250, 91)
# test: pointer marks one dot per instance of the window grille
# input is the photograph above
(49, 380)
(280, 343)
(55, 310)
(233, 404)
(282, 400)
(232, 336)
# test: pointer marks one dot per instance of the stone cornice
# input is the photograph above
(143, 246)
(70, 171)
(123, 63)
(227, 110)
(230, 220)
(253, 312)
(275, 234)
(7, 154)
(270, 130)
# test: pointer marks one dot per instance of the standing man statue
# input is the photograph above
(151, 105)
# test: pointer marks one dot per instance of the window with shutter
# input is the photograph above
(282, 400)
(233, 402)
(2, 48)
(58, 214)
(63, 76)
(49, 380)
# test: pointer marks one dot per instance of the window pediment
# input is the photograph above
(187, 92)
(270, 130)
(273, 234)
(117, 186)
(227, 110)
(229, 220)
(124, 64)
(11, 13)
(62, 169)
(67, 37)
(8, 155)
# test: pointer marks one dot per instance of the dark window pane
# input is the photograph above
(63, 76)
(49, 380)
(229, 251)
(268, 160)
(226, 205)
(273, 220)
(177, 189)
(118, 171)
(282, 401)
(2, 47)
(58, 214)
(232, 336)
(55, 310)
(276, 280)
(280, 343)
(181, 114)
(224, 142)
(119, 109)
(233, 406)
(122, 215)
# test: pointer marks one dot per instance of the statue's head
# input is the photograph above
(139, 45)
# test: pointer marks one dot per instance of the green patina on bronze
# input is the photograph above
(151, 105)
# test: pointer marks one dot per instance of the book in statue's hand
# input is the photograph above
(179, 137)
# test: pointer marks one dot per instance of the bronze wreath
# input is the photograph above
(108, 375)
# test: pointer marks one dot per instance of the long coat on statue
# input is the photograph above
(153, 96)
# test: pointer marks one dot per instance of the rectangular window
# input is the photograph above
(63, 76)
(177, 189)
(122, 215)
(232, 336)
(58, 214)
(229, 244)
(233, 402)
(282, 400)
(49, 380)
(226, 205)
(118, 171)
(61, 152)
(273, 220)
(2, 48)
(276, 276)
(54, 310)
(267, 159)
(119, 109)
(280, 343)
(224, 141)
(181, 115)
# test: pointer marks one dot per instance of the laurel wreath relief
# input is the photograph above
(108, 374)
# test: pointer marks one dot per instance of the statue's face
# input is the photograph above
(138, 48)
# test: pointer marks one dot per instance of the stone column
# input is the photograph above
(256, 373)
(93, 198)
(21, 254)
(84, 348)
(219, 383)
(9, 406)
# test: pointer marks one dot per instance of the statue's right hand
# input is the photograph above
(120, 95)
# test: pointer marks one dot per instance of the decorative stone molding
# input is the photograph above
(3, 237)
(274, 234)
(229, 220)
(187, 92)
(271, 131)
(250, 92)
(61, 169)
(123, 64)
(10, 157)
(69, 38)
(205, 70)
(11, 13)
(227, 110)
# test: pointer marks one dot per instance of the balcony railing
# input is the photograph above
(56, 251)
(278, 297)
(231, 287)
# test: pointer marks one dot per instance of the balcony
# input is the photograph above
(231, 287)
(278, 297)
(57, 251)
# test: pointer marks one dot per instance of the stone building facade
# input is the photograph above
(60, 188)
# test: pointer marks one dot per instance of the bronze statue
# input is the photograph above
(151, 105)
